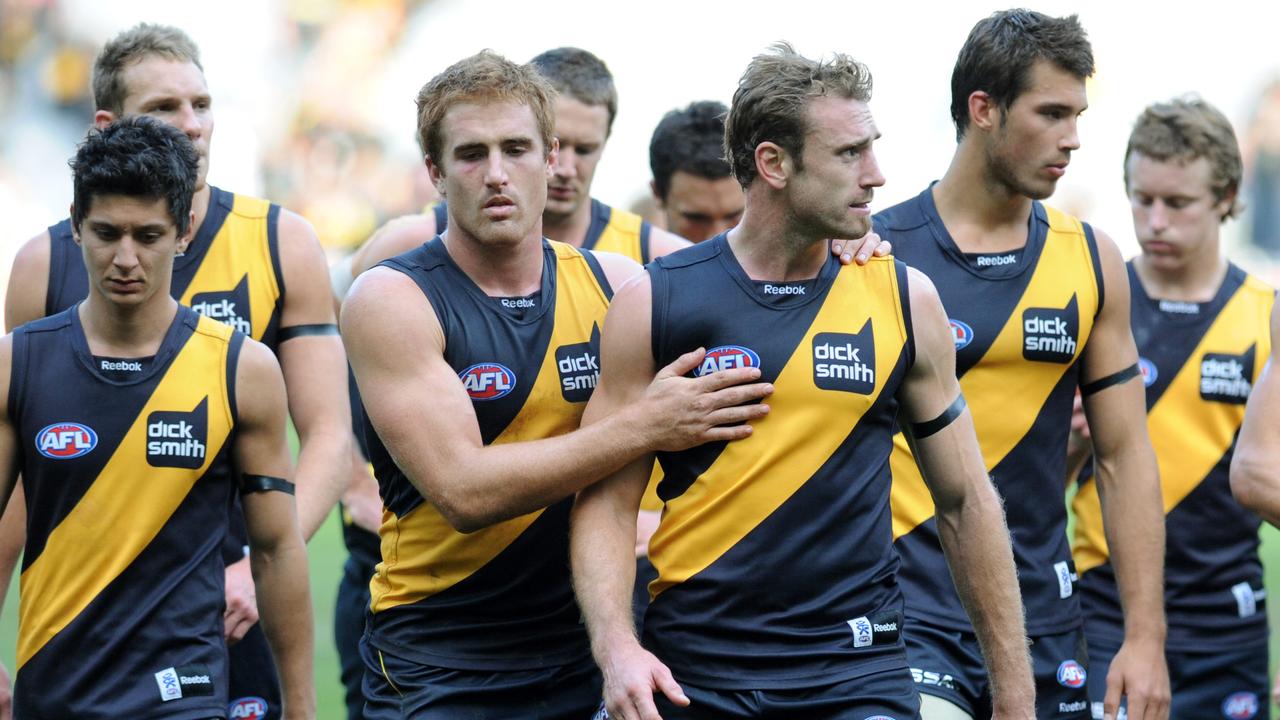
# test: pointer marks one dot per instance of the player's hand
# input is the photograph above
(6, 694)
(871, 244)
(365, 508)
(1139, 674)
(242, 602)
(1021, 707)
(682, 412)
(631, 676)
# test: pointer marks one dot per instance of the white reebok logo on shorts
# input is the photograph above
(170, 687)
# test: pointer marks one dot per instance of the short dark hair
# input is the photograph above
(1184, 129)
(689, 140)
(772, 103)
(1000, 51)
(136, 157)
(131, 46)
(580, 75)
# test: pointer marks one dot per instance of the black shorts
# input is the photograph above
(1231, 684)
(400, 689)
(948, 664)
(884, 695)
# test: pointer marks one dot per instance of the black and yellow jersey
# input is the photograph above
(611, 230)
(128, 473)
(774, 553)
(498, 598)
(230, 272)
(1199, 361)
(1020, 320)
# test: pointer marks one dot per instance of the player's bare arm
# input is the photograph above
(1129, 490)
(8, 481)
(424, 417)
(1255, 468)
(398, 235)
(971, 522)
(603, 524)
(277, 553)
(665, 242)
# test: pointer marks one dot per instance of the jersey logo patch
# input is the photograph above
(1051, 335)
(177, 439)
(66, 440)
(845, 362)
(247, 708)
(1071, 674)
(1240, 706)
(727, 357)
(1226, 378)
(488, 381)
(1148, 370)
(961, 333)
(231, 307)
(579, 367)
(879, 629)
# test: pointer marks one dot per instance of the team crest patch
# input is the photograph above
(1051, 335)
(177, 439)
(66, 440)
(1148, 370)
(1071, 674)
(1227, 378)
(488, 381)
(846, 362)
(961, 333)
(231, 307)
(579, 367)
(1240, 706)
(727, 357)
(247, 708)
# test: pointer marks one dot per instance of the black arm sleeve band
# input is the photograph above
(929, 427)
(264, 483)
(294, 331)
(1116, 378)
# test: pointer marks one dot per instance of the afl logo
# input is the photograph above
(63, 441)
(727, 357)
(1148, 370)
(961, 333)
(1071, 674)
(488, 381)
(1240, 706)
(247, 708)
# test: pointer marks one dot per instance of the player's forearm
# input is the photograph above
(13, 533)
(1255, 482)
(1133, 517)
(601, 545)
(284, 603)
(976, 542)
(322, 477)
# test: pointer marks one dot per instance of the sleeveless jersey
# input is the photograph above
(129, 483)
(1021, 320)
(498, 598)
(1199, 362)
(611, 230)
(774, 553)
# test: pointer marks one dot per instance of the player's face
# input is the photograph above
(698, 208)
(174, 92)
(1029, 149)
(582, 131)
(831, 196)
(128, 244)
(494, 171)
(1175, 215)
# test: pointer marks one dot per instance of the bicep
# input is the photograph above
(626, 355)
(28, 283)
(308, 296)
(261, 447)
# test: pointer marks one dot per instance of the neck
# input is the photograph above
(505, 270)
(572, 228)
(1196, 280)
(982, 214)
(121, 331)
(200, 206)
(769, 246)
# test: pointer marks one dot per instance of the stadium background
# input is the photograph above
(314, 108)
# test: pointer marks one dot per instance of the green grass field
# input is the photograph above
(328, 554)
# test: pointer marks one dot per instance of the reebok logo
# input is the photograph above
(1180, 308)
(845, 362)
(1076, 706)
(518, 303)
(879, 629)
(1227, 378)
(177, 439)
(579, 367)
(996, 260)
(1051, 335)
(125, 365)
(231, 307)
(769, 289)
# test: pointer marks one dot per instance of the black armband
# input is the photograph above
(296, 331)
(1116, 378)
(929, 427)
(264, 483)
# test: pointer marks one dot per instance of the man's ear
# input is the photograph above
(984, 111)
(103, 118)
(773, 164)
(185, 241)
(653, 188)
(75, 227)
